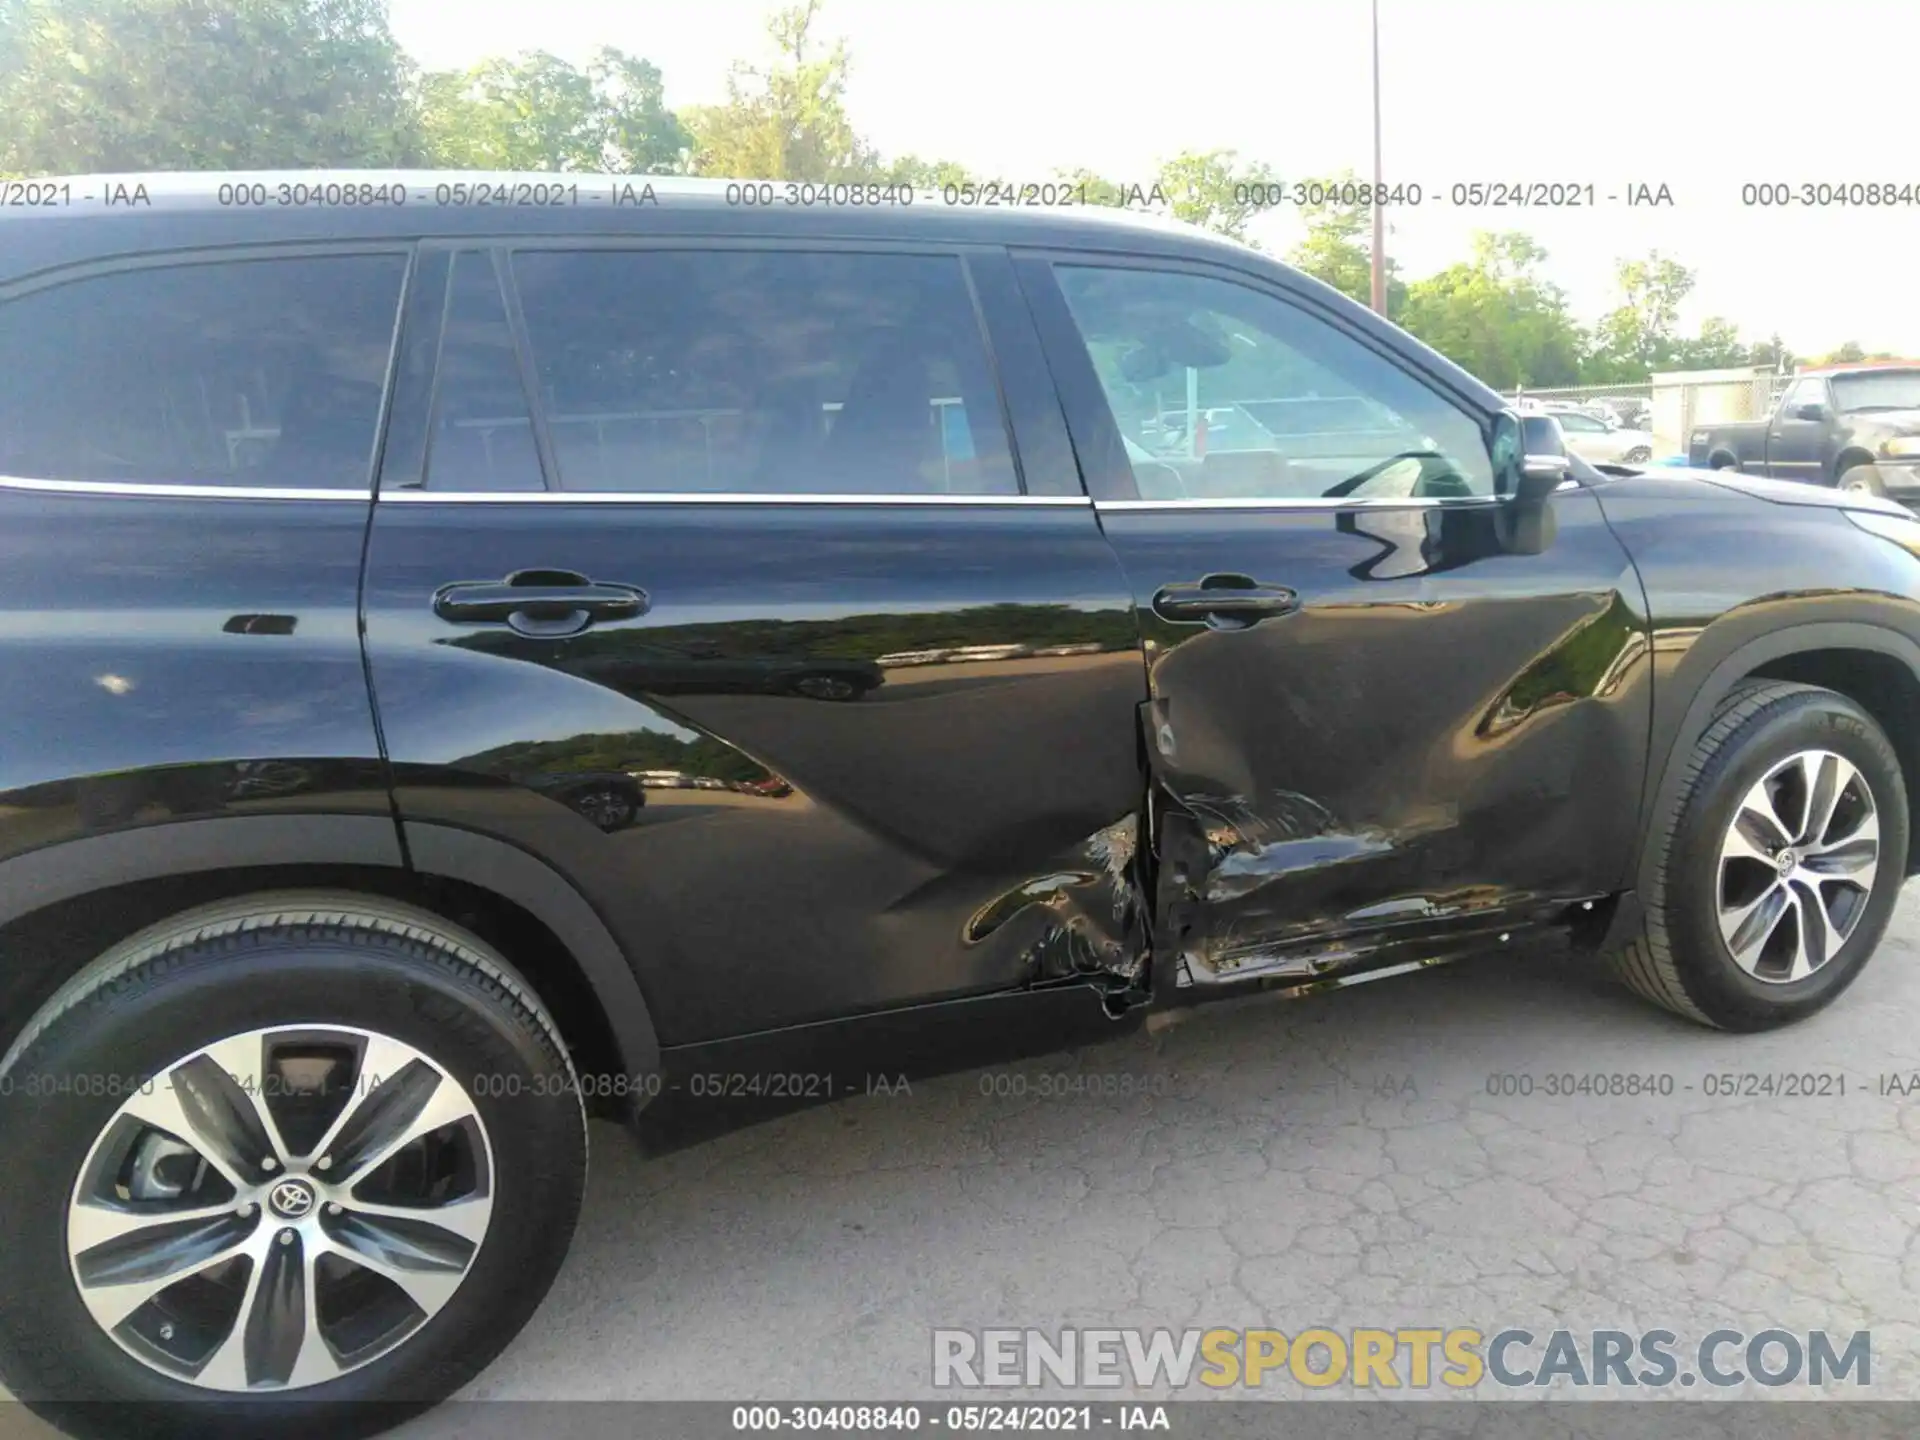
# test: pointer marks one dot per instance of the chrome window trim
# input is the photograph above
(1335, 502)
(182, 492)
(515, 497)
(705, 497)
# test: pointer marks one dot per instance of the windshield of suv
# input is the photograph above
(1881, 390)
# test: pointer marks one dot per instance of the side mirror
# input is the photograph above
(1812, 410)
(1540, 476)
(1530, 451)
(1530, 455)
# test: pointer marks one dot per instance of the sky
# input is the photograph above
(1701, 96)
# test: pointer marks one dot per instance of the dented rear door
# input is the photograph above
(1380, 721)
(709, 575)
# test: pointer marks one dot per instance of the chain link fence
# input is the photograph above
(1673, 407)
(1629, 406)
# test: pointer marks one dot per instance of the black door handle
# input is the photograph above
(539, 602)
(1226, 602)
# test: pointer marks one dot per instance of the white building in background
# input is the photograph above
(1683, 399)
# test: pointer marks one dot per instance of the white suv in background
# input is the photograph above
(1600, 443)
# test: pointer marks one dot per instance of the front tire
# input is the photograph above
(351, 1178)
(1773, 878)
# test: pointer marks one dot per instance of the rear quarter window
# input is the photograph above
(248, 373)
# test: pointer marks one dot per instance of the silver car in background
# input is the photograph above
(1597, 442)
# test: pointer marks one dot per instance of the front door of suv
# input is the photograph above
(1389, 722)
(709, 576)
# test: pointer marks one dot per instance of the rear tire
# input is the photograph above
(1713, 889)
(468, 1040)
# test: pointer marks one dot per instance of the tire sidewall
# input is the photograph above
(1811, 721)
(168, 1009)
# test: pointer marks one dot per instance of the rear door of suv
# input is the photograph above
(709, 575)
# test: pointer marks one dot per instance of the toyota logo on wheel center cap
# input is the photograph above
(291, 1199)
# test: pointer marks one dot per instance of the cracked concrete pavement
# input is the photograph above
(1336, 1161)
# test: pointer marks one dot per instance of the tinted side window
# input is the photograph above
(246, 373)
(764, 372)
(1223, 391)
(483, 430)
(1803, 392)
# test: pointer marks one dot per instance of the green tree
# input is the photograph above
(1772, 353)
(1853, 352)
(12, 36)
(787, 120)
(1641, 333)
(112, 85)
(1718, 346)
(537, 112)
(641, 134)
(1097, 189)
(1494, 315)
(1213, 189)
(924, 174)
(1338, 248)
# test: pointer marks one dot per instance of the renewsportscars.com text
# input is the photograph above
(1418, 1358)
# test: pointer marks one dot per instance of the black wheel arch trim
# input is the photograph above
(1729, 671)
(545, 893)
(74, 868)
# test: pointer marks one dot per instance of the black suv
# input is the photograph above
(466, 668)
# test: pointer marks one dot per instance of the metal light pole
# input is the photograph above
(1379, 211)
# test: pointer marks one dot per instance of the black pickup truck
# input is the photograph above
(1857, 429)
